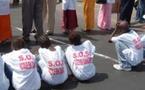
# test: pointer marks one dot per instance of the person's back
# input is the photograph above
(80, 58)
(23, 66)
(4, 83)
(52, 63)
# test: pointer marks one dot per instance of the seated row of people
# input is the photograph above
(53, 65)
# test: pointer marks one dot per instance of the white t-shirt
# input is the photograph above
(69, 4)
(52, 64)
(4, 7)
(4, 82)
(80, 60)
(23, 65)
(132, 40)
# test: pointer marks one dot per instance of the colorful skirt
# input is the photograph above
(5, 28)
(69, 20)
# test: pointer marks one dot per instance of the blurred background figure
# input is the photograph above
(49, 8)
(89, 14)
(104, 16)
(126, 10)
(69, 16)
(5, 25)
(140, 11)
(32, 11)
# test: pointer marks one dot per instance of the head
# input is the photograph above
(44, 42)
(123, 26)
(75, 38)
(17, 43)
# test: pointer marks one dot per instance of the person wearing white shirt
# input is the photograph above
(80, 57)
(52, 62)
(128, 45)
(4, 83)
(23, 66)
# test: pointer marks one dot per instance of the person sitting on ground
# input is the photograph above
(22, 63)
(80, 56)
(52, 62)
(4, 83)
(128, 45)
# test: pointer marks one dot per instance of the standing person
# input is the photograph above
(69, 16)
(140, 11)
(104, 16)
(89, 14)
(49, 8)
(5, 25)
(32, 10)
(126, 10)
(80, 57)
(22, 63)
(52, 62)
(4, 82)
(128, 45)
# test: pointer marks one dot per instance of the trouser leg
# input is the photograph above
(126, 9)
(51, 14)
(38, 21)
(121, 57)
(27, 16)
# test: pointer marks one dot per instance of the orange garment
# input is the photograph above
(89, 13)
(5, 28)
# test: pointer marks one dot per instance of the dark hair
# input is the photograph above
(75, 38)
(17, 43)
(44, 41)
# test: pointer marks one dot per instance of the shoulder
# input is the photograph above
(58, 47)
(87, 42)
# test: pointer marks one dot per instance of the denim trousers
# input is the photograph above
(140, 10)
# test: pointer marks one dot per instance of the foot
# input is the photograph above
(119, 67)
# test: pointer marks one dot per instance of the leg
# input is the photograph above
(27, 17)
(121, 57)
(126, 9)
(38, 17)
(51, 15)
(89, 13)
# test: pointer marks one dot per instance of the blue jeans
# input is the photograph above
(140, 10)
(120, 46)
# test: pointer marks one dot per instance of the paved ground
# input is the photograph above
(106, 78)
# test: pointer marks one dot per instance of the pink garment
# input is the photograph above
(104, 16)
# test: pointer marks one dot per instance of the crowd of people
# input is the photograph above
(22, 70)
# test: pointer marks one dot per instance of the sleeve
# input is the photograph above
(87, 44)
(6, 59)
(114, 39)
